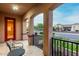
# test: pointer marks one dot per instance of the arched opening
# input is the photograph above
(66, 29)
(38, 30)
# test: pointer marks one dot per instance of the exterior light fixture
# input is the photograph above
(15, 7)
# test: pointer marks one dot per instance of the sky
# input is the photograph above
(38, 19)
(67, 13)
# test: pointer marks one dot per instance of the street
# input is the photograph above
(70, 36)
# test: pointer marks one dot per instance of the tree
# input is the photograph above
(39, 26)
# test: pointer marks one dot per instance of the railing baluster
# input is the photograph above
(57, 48)
(52, 47)
(67, 48)
(64, 48)
(60, 48)
(71, 49)
(76, 49)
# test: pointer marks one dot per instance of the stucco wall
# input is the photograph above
(2, 26)
(42, 8)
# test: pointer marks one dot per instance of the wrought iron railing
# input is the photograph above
(37, 40)
(64, 48)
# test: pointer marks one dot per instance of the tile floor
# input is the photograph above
(29, 50)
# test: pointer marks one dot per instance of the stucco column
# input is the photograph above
(47, 32)
(30, 31)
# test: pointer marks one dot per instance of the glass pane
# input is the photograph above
(10, 29)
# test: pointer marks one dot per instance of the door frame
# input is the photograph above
(10, 18)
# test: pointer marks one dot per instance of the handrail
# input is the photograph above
(65, 40)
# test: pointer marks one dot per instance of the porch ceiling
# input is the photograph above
(22, 8)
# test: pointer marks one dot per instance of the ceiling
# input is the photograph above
(22, 8)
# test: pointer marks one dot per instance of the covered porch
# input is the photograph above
(24, 27)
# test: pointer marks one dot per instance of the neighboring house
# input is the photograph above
(75, 27)
(68, 27)
(59, 27)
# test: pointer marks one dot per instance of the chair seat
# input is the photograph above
(16, 52)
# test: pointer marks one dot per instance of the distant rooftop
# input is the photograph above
(68, 25)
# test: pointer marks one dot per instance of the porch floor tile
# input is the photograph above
(33, 51)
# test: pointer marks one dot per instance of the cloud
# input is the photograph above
(68, 17)
(74, 18)
(57, 16)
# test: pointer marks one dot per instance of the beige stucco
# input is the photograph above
(32, 12)
(43, 8)
(39, 9)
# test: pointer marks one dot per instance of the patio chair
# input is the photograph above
(13, 45)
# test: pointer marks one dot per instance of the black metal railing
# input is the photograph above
(37, 40)
(64, 48)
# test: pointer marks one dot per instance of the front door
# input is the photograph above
(9, 29)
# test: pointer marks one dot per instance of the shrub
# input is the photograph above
(41, 32)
